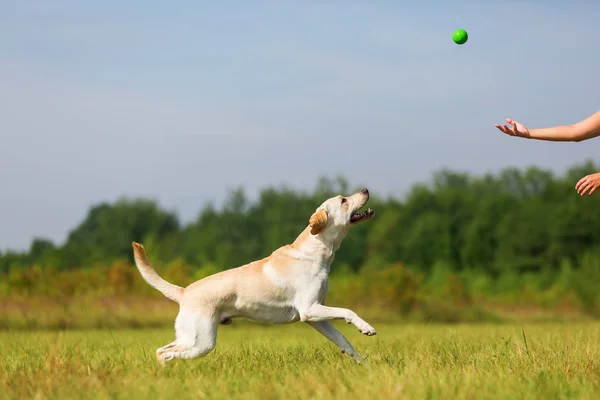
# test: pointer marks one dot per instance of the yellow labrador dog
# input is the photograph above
(288, 286)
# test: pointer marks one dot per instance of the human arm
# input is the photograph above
(582, 130)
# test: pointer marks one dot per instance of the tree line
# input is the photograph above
(521, 220)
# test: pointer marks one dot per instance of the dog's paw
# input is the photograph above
(353, 355)
(365, 328)
(370, 331)
(164, 357)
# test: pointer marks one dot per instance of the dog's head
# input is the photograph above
(333, 218)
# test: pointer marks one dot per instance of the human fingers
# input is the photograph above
(584, 188)
(594, 187)
(581, 182)
(501, 128)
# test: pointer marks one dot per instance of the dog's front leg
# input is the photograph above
(319, 312)
(327, 329)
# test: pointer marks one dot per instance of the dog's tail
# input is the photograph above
(170, 291)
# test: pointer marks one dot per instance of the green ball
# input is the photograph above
(460, 36)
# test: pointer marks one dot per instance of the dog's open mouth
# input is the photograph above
(361, 216)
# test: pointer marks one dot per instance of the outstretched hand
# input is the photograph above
(588, 184)
(517, 129)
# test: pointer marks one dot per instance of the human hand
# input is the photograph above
(517, 129)
(588, 184)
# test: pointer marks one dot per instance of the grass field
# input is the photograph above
(533, 361)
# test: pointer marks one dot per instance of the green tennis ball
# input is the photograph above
(460, 36)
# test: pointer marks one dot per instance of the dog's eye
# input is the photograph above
(344, 200)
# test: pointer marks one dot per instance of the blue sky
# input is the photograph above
(181, 101)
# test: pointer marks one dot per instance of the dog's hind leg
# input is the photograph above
(196, 336)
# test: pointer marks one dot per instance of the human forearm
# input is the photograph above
(567, 133)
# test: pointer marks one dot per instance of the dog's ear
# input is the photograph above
(318, 221)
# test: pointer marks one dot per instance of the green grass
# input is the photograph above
(533, 361)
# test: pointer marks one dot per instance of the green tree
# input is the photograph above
(108, 230)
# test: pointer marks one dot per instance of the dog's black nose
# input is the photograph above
(364, 191)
